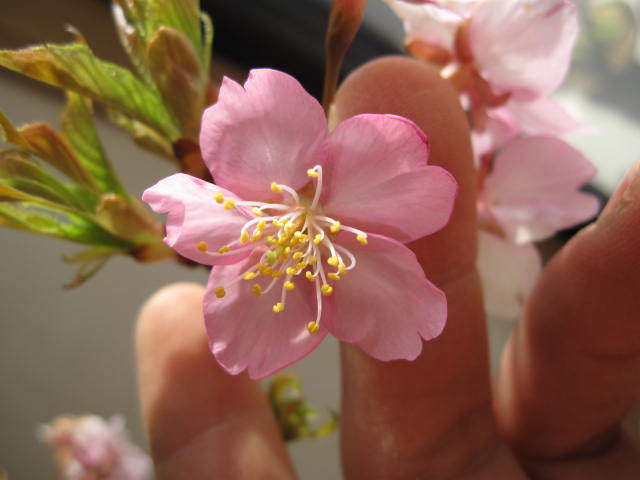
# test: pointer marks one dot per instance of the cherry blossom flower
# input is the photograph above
(305, 228)
(500, 54)
(91, 448)
(531, 192)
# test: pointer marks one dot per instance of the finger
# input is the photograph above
(572, 369)
(431, 417)
(202, 422)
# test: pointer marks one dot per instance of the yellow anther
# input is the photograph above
(294, 241)
(224, 249)
(256, 289)
(335, 228)
(276, 273)
(301, 265)
(271, 240)
(287, 250)
(244, 237)
(291, 271)
(282, 239)
(229, 204)
(256, 236)
(326, 290)
(313, 327)
(220, 292)
(202, 246)
(333, 261)
(290, 228)
(278, 307)
(362, 239)
(317, 239)
(262, 224)
(310, 276)
(312, 173)
(277, 223)
(342, 268)
(312, 260)
(333, 276)
(289, 285)
(257, 212)
(297, 255)
(249, 276)
(275, 187)
(219, 197)
(264, 269)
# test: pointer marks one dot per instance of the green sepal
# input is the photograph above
(79, 131)
(74, 67)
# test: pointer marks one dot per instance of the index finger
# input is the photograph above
(431, 416)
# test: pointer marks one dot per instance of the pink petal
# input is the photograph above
(499, 129)
(533, 189)
(508, 273)
(523, 44)
(385, 304)
(245, 334)
(194, 217)
(426, 22)
(377, 179)
(542, 116)
(270, 130)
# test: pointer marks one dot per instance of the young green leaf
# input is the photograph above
(78, 129)
(75, 67)
(22, 173)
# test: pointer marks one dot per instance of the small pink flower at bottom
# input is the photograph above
(305, 228)
(91, 448)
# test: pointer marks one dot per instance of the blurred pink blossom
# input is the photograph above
(506, 55)
(89, 447)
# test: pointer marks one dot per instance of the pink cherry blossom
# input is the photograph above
(305, 227)
(91, 448)
(533, 190)
(501, 54)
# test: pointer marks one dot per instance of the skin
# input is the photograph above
(569, 373)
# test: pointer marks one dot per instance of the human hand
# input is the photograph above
(569, 373)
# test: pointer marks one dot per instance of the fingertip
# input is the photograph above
(178, 302)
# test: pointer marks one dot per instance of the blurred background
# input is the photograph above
(71, 351)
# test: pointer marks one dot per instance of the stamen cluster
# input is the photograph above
(298, 241)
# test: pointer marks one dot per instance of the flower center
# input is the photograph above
(298, 242)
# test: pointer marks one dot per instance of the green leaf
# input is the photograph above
(47, 144)
(75, 67)
(79, 131)
(176, 70)
(68, 226)
(139, 20)
(145, 137)
(22, 173)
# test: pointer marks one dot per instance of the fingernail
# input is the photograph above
(628, 189)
